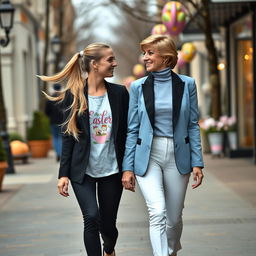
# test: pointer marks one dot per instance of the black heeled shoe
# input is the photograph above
(112, 254)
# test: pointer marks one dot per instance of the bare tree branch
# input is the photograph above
(192, 13)
(139, 14)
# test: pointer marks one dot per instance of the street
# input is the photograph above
(219, 217)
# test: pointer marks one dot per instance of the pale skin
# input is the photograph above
(155, 62)
(96, 87)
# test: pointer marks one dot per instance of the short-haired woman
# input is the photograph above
(94, 134)
(163, 142)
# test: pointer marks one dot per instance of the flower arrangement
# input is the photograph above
(210, 125)
(229, 123)
(225, 123)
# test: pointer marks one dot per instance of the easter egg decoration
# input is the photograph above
(159, 29)
(188, 51)
(128, 80)
(181, 62)
(138, 70)
(174, 17)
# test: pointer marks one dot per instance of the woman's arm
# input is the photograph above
(194, 130)
(195, 139)
(68, 141)
(128, 178)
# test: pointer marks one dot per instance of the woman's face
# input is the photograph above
(152, 58)
(107, 63)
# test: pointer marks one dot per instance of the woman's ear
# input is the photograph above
(94, 65)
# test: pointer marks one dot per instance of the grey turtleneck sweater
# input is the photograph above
(163, 103)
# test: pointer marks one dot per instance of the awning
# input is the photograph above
(223, 12)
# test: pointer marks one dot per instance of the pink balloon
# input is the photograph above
(128, 80)
(181, 62)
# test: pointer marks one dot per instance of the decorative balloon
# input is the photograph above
(159, 29)
(128, 80)
(181, 62)
(174, 17)
(140, 59)
(138, 70)
(188, 51)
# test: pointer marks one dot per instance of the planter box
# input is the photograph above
(3, 167)
(216, 142)
(39, 148)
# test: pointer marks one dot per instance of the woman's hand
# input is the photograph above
(197, 177)
(63, 186)
(128, 180)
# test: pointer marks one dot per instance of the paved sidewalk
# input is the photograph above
(219, 217)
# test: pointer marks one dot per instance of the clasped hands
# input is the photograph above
(128, 181)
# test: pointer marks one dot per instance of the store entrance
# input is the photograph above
(245, 92)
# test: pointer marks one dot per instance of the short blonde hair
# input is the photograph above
(166, 47)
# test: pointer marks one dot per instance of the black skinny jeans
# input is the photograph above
(99, 217)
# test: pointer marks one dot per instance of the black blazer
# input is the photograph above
(53, 111)
(75, 154)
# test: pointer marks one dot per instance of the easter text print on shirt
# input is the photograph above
(101, 123)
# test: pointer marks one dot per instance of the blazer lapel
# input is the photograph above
(114, 105)
(149, 98)
(177, 93)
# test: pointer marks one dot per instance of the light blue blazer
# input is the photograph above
(186, 137)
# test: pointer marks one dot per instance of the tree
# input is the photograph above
(46, 48)
(123, 32)
(204, 23)
(199, 11)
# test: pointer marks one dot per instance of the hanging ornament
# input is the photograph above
(174, 17)
(159, 29)
(140, 59)
(138, 70)
(128, 80)
(188, 51)
(181, 62)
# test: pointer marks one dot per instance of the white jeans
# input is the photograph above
(164, 189)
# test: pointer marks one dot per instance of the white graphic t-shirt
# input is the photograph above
(102, 160)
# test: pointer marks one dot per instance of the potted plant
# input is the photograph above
(15, 136)
(3, 163)
(39, 134)
(215, 132)
(230, 128)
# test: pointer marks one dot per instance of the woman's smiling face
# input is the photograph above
(107, 63)
(152, 58)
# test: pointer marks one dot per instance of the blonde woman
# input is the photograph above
(163, 142)
(92, 159)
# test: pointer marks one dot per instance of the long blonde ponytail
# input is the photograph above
(74, 75)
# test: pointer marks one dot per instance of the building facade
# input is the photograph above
(23, 58)
(234, 27)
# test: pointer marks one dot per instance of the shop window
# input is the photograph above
(245, 92)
